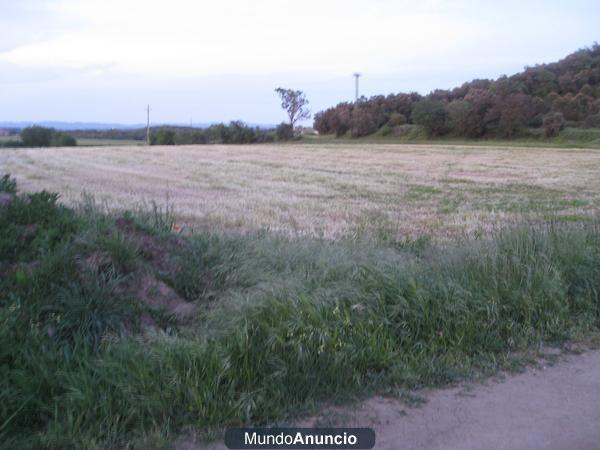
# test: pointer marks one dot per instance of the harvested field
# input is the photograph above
(400, 190)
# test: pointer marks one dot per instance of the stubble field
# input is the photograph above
(401, 191)
(119, 333)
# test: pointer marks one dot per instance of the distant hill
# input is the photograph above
(540, 100)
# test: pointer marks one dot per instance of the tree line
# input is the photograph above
(545, 97)
(37, 136)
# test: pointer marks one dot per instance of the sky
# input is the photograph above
(198, 61)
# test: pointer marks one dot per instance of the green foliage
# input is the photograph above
(284, 132)
(8, 184)
(37, 136)
(432, 115)
(62, 140)
(32, 225)
(290, 322)
(396, 119)
(553, 123)
(236, 132)
(502, 108)
(163, 136)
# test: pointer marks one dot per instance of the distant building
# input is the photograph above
(306, 131)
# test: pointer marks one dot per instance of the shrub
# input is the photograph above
(36, 136)
(553, 123)
(458, 116)
(284, 132)
(363, 121)
(432, 115)
(8, 184)
(163, 136)
(396, 119)
(592, 121)
(62, 140)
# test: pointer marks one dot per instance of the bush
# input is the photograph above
(553, 123)
(396, 119)
(592, 121)
(37, 136)
(8, 184)
(284, 132)
(163, 136)
(432, 116)
(62, 140)
(363, 121)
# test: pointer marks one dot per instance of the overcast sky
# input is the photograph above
(204, 61)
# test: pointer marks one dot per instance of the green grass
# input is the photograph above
(283, 324)
(568, 138)
(92, 142)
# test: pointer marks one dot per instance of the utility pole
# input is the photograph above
(356, 77)
(148, 125)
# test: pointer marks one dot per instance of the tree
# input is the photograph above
(432, 115)
(459, 112)
(363, 121)
(63, 140)
(295, 104)
(553, 123)
(36, 136)
(164, 136)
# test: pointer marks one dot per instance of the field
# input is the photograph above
(306, 276)
(404, 191)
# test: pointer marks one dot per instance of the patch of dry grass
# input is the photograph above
(405, 190)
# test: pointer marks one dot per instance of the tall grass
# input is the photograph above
(285, 323)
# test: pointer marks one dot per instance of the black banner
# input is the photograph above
(300, 438)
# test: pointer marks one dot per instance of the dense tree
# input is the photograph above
(163, 136)
(506, 107)
(37, 136)
(284, 132)
(459, 112)
(363, 120)
(432, 115)
(553, 123)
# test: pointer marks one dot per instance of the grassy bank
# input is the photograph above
(89, 359)
(568, 138)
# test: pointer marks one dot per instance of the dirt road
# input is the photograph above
(549, 407)
(556, 407)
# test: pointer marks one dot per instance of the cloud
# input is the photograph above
(193, 38)
(29, 21)
(105, 59)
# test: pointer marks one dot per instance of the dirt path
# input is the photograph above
(556, 407)
(549, 407)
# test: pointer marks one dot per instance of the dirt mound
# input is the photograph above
(145, 284)
(158, 251)
(160, 297)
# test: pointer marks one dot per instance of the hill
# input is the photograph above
(540, 100)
